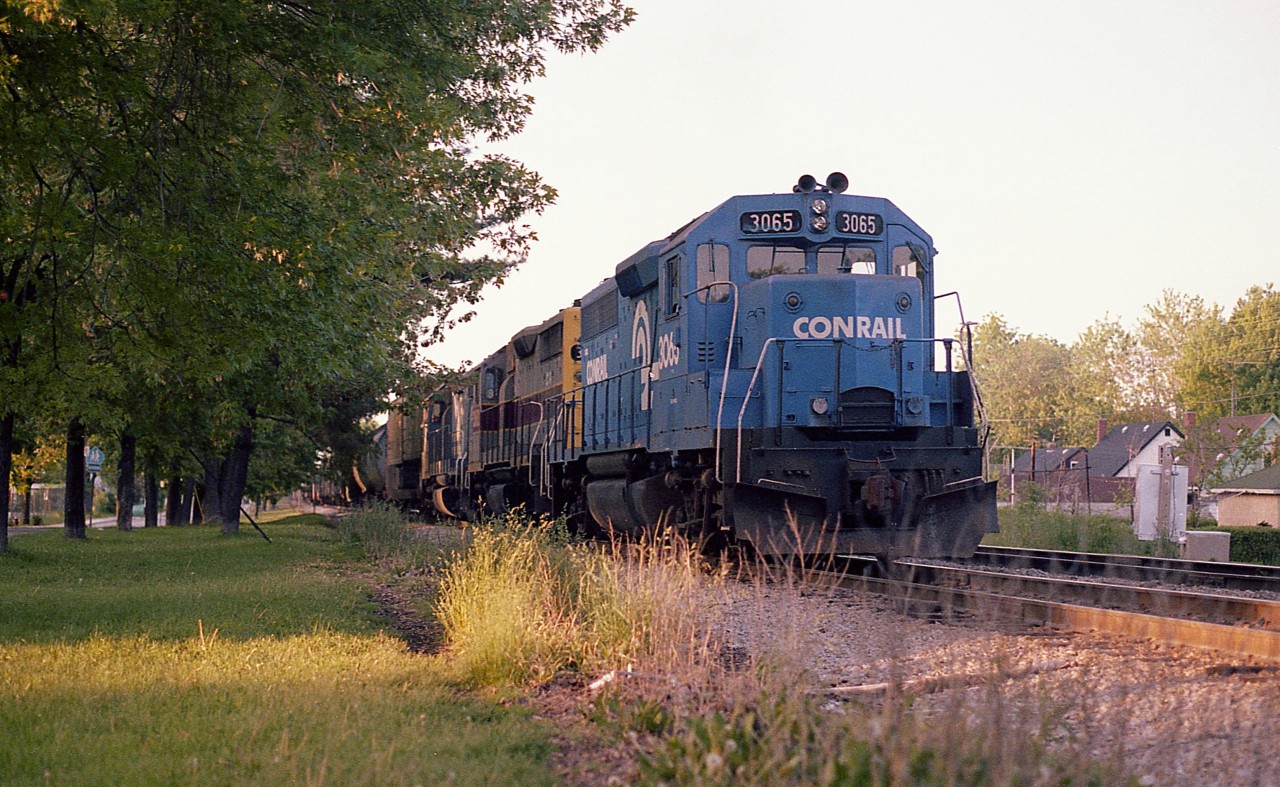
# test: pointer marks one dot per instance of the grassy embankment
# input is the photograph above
(176, 655)
(697, 707)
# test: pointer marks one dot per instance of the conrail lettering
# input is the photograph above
(597, 368)
(853, 326)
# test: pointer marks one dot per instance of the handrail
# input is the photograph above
(728, 357)
(533, 439)
(746, 399)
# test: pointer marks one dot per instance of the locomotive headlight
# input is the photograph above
(820, 206)
(819, 405)
(819, 223)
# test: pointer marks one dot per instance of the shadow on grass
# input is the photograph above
(167, 583)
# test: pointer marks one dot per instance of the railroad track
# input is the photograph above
(1247, 626)
(1228, 576)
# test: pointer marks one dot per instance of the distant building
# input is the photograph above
(1103, 475)
(1122, 450)
(1231, 447)
(1253, 499)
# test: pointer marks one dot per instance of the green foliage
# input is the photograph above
(219, 215)
(175, 656)
(379, 528)
(786, 738)
(1028, 525)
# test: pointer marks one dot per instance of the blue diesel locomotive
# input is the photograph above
(770, 373)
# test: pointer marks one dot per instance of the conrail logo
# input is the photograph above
(853, 326)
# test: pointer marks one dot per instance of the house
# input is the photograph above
(1047, 460)
(1251, 500)
(1121, 451)
(1126, 447)
(1231, 447)
(1058, 471)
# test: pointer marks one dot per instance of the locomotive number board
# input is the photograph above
(859, 223)
(771, 222)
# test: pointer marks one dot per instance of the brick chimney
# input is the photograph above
(1102, 430)
(1189, 420)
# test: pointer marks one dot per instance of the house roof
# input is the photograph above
(1230, 432)
(1262, 482)
(1047, 459)
(1122, 443)
(1233, 429)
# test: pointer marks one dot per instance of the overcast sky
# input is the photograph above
(1071, 160)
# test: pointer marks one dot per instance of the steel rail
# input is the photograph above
(1234, 576)
(985, 602)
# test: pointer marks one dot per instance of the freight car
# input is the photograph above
(771, 374)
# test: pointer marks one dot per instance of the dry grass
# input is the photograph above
(703, 706)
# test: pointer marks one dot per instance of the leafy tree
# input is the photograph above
(251, 203)
(1161, 345)
(1024, 381)
(1101, 379)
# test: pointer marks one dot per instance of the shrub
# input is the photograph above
(1028, 525)
(1254, 545)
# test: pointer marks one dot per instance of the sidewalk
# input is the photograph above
(98, 522)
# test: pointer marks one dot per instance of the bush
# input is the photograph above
(1254, 545)
(1030, 526)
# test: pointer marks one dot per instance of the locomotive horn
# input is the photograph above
(807, 183)
(837, 182)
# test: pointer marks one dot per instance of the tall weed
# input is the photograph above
(380, 529)
(520, 603)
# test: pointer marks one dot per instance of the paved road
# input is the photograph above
(98, 522)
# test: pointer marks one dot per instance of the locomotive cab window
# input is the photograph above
(713, 265)
(492, 384)
(550, 342)
(907, 262)
(846, 259)
(765, 261)
(673, 286)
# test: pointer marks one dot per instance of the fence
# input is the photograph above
(46, 500)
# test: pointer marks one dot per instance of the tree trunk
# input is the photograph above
(26, 506)
(173, 499)
(234, 477)
(6, 464)
(73, 501)
(151, 503)
(126, 489)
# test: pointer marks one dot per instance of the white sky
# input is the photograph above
(1071, 160)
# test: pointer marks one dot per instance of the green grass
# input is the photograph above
(177, 655)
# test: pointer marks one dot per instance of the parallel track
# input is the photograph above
(1244, 626)
(1230, 576)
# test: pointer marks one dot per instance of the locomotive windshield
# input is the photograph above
(764, 261)
(846, 259)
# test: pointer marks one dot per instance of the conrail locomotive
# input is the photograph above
(770, 374)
